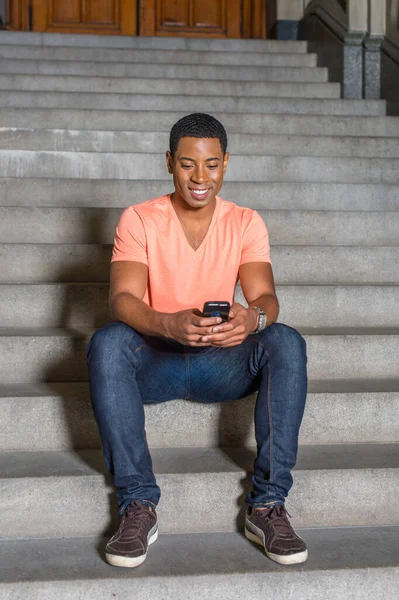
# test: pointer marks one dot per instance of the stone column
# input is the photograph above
(353, 50)
(353, 65)
(377, 17)
(358, 12)
(372, 49)
(372, 67)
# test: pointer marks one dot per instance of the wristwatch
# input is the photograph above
(262, 319)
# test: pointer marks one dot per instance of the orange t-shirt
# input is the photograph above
(180, 277)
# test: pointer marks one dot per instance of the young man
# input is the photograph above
(170, 256)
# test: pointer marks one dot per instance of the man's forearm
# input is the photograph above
(137, 314)
(270, 306)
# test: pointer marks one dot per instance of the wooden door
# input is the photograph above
(203, 18)
(117, 17)
(189, 18)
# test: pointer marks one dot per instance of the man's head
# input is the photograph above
(197, 158)
(197, 125)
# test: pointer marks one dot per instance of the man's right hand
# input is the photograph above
(189, 326)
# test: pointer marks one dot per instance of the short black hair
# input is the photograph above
(197, 125)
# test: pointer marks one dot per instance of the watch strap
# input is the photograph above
(262, 319)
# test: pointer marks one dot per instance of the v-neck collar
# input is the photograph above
(210, 228)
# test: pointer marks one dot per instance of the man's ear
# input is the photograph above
(169, 162)
(225, 161)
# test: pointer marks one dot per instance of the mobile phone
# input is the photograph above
(217, 309)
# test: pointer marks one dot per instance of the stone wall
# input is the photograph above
(327, 42)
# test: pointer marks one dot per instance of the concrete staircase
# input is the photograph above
(83, 134)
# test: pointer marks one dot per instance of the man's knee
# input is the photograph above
(287, 341)
(108, 341)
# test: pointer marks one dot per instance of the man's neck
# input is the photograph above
(190, 214)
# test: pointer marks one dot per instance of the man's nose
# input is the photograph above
(199, 174)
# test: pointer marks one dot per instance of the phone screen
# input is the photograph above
(216, 309)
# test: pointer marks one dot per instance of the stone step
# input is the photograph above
(168, 71)
(190, 87)
(59, 416)
(152, 142)
(120, 193)
(237, 104)
(346, 561)
(162, 56)
(361, 476)
(97, 226)
(275, 124)
(65, 263)
(106, 165)
(86, 305)
(56, 305)
(35, 355)
(148, 43)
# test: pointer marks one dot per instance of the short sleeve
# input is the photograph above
(130, 241)
(255, 241)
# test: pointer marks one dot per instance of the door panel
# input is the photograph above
(101, 12)
(85, 16)
(63, 12)
(209, 16)
(190, 14)
(204, 18)
(191, 18)
(173, 14)
(118, 17)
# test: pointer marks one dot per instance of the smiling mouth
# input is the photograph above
(199, 192)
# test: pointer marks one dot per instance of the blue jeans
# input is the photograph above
(127, 369)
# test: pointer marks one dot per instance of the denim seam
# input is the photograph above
(186, 397)
(269, 404)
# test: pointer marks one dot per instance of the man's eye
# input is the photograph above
(186, 166)
(212, 166)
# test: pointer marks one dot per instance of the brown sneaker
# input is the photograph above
(138, 529)
(271, 529)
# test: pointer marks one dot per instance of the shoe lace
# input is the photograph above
(135, 518)
(278, 516)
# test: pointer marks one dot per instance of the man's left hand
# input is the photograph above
(234, 331)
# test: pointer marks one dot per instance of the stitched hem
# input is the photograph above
(267, 504)
(123, 507)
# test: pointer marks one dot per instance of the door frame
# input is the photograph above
(254, 25)
(18, 15)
